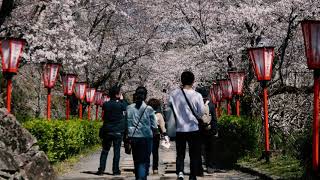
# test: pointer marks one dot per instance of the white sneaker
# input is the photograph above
(180, 176)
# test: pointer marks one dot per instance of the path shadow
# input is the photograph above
(94, 173)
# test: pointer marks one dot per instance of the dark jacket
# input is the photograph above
(114, 119)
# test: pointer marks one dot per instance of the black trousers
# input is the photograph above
(155, 152)
(208, 150)
(194, 143)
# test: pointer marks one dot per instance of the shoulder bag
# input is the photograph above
(204, 128)
(127, 141)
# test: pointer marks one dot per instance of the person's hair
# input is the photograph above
(134, 97)
(155, 104)
(114, 91)
(187, 78)
(140, 95)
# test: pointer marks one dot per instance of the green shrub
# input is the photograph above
(60, 139)
(238, 137)
(304, 151)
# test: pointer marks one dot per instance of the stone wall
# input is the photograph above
(20, 157)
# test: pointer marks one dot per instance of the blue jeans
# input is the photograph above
(106, 145)
(141, 151)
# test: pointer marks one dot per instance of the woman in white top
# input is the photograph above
(156, 105)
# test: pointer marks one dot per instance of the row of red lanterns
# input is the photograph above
(11, 50)
(224, 89)
(262, 61)
(70, 86)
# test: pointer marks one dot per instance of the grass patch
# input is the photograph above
(280, 167)
(67, 165)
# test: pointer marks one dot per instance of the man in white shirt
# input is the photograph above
(187, 129)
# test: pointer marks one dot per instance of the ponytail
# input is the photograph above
(140, 95)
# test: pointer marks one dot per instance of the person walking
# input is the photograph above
(141, 122)
(208, 137)
(187, 125)
(162, 132)
(112, 129)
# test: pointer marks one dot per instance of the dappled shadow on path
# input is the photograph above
(105, 175)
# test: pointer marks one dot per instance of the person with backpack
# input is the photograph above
(141, 123)
(187, 105)
(112, 129)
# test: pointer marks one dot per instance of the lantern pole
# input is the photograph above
(219, 109)
(315, 130)
(228, 107)
(238, 105)
(49, 104)
(80, 110)
(97, 111)
(89, 109)
(67, 107)
(266, 120)
(9, 89)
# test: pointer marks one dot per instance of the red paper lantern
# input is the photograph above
(80, 90)
(98, 98)
(90, 92)
(69, 81)
(237, 79)
(311, 31)
(11, 50)
(50, 74)
(217, 92)
(262, 59)
(226, 88)
(106, 98)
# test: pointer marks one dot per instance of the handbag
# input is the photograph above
(205, 128)
(127, 141)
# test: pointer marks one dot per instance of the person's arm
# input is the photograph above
(200, 105)
(170, 101)
(161, 123)
(126, 131)
(153, 121)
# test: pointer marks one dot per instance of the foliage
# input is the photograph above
(238, 137)
(280, 167)
(60, 139)
(304, 150)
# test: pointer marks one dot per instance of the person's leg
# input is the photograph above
(155, 152)
(181, 151)
(209, 152)
(135, 156)
(106, 144)
(139, 147)
(116, 156)
(194, 143)
(149, 146)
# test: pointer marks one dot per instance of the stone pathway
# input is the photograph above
(87, 166)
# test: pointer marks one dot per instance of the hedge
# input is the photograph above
(238, 137)
(60, 139)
